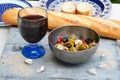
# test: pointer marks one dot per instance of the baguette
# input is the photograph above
(10, 16)
(105, 27)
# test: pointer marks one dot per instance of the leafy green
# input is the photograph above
(115, 1)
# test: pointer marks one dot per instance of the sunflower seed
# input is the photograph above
(40, 69)
(28, 61)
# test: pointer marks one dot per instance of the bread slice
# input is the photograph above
(68, 7)
(84, 8)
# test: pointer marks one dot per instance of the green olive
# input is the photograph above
(69, 42)
(84, 47)
(92, 44)
(72, 38)
(78, 46)
(73, 49)
(59, 46)
(65, 48)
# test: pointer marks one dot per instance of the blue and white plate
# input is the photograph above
(6, 4)
(101, 8)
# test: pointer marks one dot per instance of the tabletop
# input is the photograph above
(56, 71)
(115, 14)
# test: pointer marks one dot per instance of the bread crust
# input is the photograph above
(104, 27)
(10, 16)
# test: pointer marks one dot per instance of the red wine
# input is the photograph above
(33, 27)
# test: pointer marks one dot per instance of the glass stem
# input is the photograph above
(33, 44)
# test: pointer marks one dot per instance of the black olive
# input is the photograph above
(65, 39)
(88, 41)
(68, 45)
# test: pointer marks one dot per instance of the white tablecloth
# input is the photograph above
(115, 14)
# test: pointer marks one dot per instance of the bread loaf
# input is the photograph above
(104, 27)
(10, 16)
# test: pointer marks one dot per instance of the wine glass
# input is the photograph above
(32, 24)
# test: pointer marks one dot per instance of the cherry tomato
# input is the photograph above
(58, 40)
(61, 37)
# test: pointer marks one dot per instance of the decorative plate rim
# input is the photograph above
(106, 3)
(12, 1)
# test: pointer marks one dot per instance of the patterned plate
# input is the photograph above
(101, 8)
(6, 4)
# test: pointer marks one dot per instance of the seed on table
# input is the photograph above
(28, 61)
(92, 71)
(40, 69)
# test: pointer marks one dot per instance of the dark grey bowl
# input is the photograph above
(73, 57)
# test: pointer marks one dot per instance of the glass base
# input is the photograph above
(33, 51)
